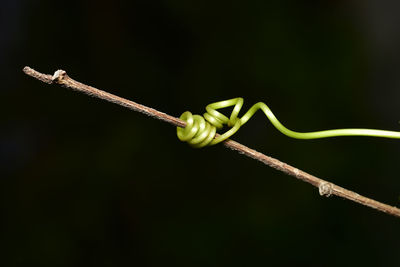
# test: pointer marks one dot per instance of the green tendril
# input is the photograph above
(200, 131)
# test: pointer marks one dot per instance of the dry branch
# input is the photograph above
(326, 188)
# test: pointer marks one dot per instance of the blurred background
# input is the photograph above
(88, 183)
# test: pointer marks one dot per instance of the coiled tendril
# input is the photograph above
(200, 131)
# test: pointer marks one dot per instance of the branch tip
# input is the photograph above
(26, 69)
(37, 75)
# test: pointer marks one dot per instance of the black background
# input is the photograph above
(89, 183)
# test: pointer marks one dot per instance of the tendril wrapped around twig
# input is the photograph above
(200, 131)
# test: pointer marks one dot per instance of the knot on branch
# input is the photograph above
(59, 76)
(325, 189)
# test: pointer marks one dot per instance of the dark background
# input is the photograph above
(88, 183)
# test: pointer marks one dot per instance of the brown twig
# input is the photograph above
(325, 188)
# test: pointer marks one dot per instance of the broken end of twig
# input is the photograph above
(40, 76)
(26, 69)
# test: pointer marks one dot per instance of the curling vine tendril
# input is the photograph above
(200, 131)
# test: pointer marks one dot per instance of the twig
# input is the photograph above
(325, 188)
